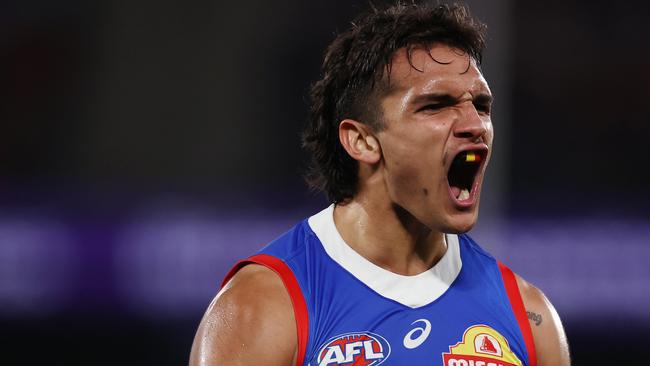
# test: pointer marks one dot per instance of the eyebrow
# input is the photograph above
(445, 98)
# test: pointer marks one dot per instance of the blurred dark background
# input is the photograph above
(145, 146)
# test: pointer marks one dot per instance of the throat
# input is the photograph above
(425, 254)
(392, 242)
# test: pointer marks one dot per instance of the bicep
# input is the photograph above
(551, 344)
(249, 322)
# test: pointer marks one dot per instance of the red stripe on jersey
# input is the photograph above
(518, 308)
(295, 293)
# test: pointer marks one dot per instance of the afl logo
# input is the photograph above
(362, 348)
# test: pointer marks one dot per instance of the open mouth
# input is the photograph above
(463, 172)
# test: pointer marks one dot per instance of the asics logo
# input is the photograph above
(421, 334)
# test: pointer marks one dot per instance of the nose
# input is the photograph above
(471, 124)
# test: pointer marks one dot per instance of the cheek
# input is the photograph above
(401, 167)
(420, 143)
(402, 164)
(413, 155)
(412, 167)
(490, 133)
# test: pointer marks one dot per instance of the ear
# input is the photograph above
(358, 140)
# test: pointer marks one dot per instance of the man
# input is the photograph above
(400, 136)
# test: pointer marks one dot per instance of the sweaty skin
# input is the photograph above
(428, 117)
(437, 107)
(250, 322)
(550, 340)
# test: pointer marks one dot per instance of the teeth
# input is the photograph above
(464, 194)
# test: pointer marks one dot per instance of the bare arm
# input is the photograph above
(550, 340)
(250, 322)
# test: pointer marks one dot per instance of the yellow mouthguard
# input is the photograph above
(471, 157)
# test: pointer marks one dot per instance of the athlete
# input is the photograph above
(400, 135)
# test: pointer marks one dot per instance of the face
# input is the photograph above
(437, 137)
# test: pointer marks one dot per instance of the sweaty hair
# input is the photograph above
(355, 75)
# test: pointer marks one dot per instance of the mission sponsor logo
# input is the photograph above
(481, 346)
(358, 349)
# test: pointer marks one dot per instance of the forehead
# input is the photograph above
(440, 68)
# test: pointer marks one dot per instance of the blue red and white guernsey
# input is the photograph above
(464, 311)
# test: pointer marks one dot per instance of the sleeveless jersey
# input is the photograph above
(464, 311)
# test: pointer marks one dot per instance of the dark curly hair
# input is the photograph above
(356, 74)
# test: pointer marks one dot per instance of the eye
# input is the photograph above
(483, 107)
(434, 107)
(431, 107)
(483, 104)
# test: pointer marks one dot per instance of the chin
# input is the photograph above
(459, 229)
(460, 223)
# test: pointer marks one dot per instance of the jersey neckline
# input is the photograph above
(412, 291)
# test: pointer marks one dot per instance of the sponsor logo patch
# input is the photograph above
(481, 346)
(417, 335)
(359, 348)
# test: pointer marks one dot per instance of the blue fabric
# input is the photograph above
(340, 304)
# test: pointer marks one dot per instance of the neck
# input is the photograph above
(388, 236)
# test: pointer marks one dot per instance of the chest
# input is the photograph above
(470, 325)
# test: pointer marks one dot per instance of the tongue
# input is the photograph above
(455, 191)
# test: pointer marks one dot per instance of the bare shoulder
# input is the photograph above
(550, 340)
(249, 322)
